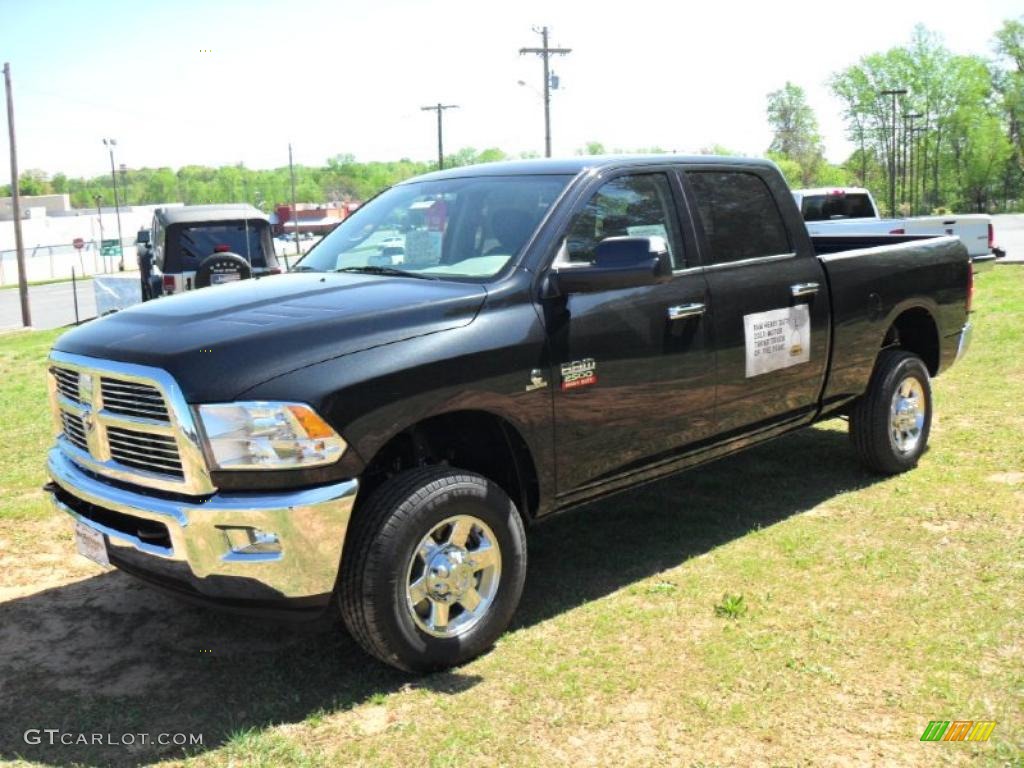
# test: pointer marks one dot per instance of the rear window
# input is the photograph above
(189, 244)
(739, 216)
(827, 207)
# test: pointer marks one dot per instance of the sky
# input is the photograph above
(217, 83)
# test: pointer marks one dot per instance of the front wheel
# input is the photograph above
(433, 569)
(890, 423)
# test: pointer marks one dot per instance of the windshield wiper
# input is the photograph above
(390, 271)
(303, 268)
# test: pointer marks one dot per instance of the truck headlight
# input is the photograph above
(266, 435)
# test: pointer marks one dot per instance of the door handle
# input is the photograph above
(803, 289)
(685, 310)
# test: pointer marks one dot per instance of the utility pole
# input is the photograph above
(295, 211)
(99, 217)
(26, 314)
(894, 92)
(440, 108)
(916, 169)
(545, 52)
(110, 144)
(908, 154)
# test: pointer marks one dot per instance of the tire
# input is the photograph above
(890, 423)
(392, 594)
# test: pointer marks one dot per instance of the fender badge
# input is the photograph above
(537, 380)
(579, 373)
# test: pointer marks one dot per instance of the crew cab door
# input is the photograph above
(633, 368)
(771, 320)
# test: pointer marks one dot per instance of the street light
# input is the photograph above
(110, 144)
(894, 92)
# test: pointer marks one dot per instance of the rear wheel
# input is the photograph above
(890, 423)
(433, 569)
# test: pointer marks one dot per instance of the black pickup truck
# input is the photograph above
(469, 353)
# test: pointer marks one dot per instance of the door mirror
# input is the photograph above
(619, 262)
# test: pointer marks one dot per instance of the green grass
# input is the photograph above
(869, 607)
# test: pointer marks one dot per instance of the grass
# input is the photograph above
(863, 607)
(33, 283)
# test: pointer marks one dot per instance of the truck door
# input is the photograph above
(633, 369)
(771, 302)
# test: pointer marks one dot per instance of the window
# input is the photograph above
(450, 228)
(855, 205)
(633, 206)
(740, 218)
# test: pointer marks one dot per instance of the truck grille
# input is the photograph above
(74, 430)
(155, 453)
(118, 422)
(67, 383)
(133, 399)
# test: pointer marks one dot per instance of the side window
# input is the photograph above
(636, 206)
(740, 218)
(158, 243)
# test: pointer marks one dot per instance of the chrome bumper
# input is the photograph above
(965, 340)
(235, 547)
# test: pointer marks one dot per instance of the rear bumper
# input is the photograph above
(264, 550)
(965, 340)
(984, 262)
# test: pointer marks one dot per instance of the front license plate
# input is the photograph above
(91, 544)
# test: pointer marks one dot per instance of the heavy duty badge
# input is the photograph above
(579, 373)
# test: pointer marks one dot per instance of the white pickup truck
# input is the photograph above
(852, 211)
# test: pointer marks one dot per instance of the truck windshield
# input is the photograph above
(450, 228)
(825, 207)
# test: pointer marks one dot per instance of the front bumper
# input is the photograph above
(204, 548)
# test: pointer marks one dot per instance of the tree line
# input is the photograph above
(956, 143)
(955, 140)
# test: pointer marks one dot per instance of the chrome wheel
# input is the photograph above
(907, 415)
(453, 576)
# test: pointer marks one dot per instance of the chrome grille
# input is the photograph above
(74, 430)
(67, 382)
(127, 422)
(133, 399)
(153, 453)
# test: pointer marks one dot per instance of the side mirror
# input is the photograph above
(619, 262)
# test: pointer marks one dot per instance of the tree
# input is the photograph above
(957, 160)
(795, 131)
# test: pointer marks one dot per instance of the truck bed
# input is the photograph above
(869, 279)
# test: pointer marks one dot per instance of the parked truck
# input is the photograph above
(853, 211)
(379, 438)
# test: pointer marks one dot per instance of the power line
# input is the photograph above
(440, 108)
(546, 52)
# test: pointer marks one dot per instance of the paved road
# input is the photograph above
(1009, 229)
(52, 305)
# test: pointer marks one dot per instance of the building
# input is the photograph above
(318, 219)
(34, 206)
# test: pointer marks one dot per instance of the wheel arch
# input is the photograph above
(914, 329)
(476, 440)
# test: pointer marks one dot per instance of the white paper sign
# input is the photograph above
(777, 339)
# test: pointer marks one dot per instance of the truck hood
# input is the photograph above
(220, 342)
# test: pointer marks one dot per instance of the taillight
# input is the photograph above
(168, 283)
(991, 236)
(970, 285)
(275, 270)
(899, 231)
